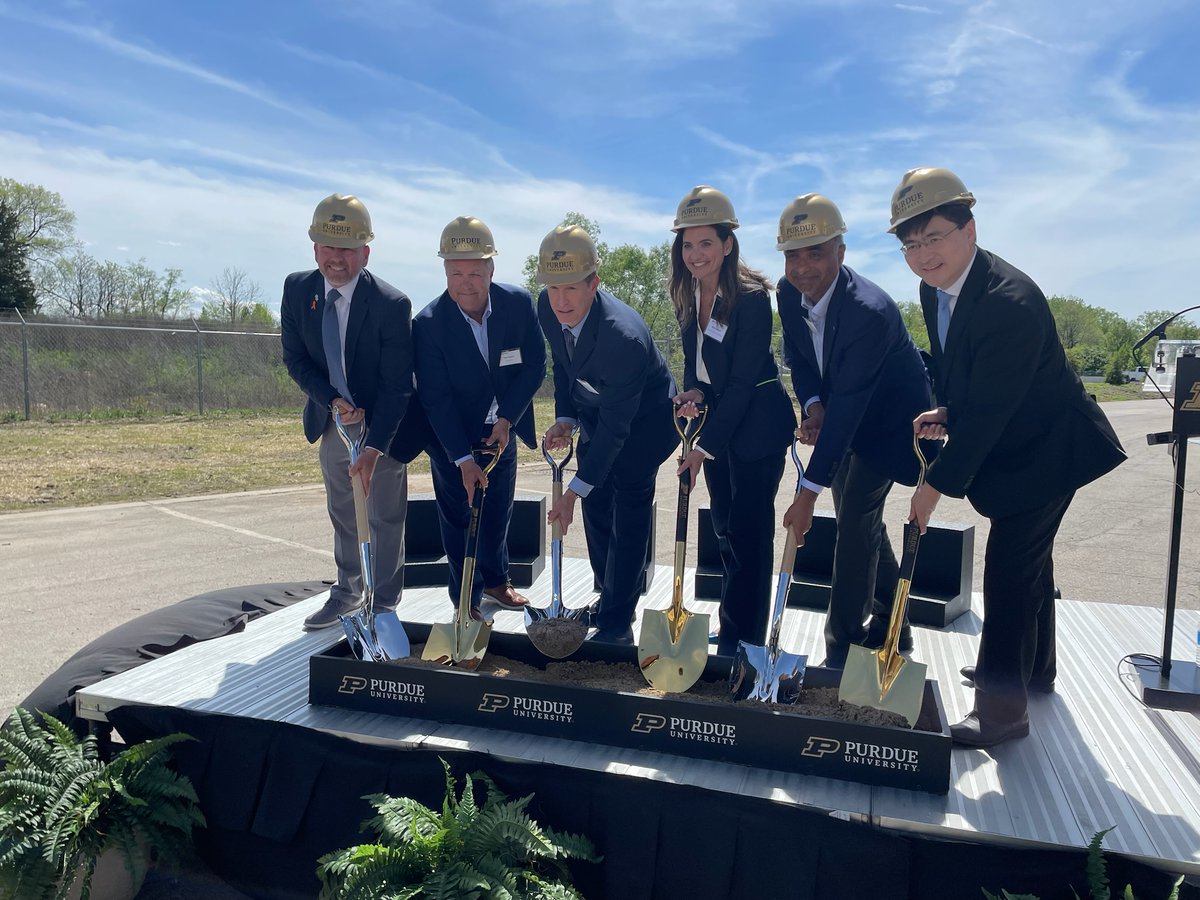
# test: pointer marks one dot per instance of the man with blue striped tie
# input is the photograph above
(347, 341)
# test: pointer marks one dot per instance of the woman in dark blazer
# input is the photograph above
(724, 313)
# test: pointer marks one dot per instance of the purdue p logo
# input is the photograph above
(647, 722)
(1192, 403)
(351, 684)
(820, 747)
(490, 703)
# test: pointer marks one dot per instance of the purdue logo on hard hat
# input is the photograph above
(704, 205)
(567, 255)
(466, 238)
(809, 220)
(341, 220)
(925, 189)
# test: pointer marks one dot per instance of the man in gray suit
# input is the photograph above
(347, 341)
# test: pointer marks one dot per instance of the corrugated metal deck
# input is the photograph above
(1096, 756)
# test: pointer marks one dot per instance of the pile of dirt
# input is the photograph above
(819, 702)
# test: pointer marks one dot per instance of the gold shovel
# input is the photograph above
(882, 678)
(464, 641)
(673, 646)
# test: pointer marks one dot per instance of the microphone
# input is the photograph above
(1160, 330)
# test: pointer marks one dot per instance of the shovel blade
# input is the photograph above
(672, 666)
(455, 644)
(556, 637)
(390, 637)
(353, 638)
(871, 679)
(757, 674)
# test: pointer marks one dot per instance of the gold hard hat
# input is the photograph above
(923, 189)
(466, 238)
(809, 220)
(704, 205)
(567, 255)
(341, 220)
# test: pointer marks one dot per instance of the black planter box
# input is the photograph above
(915, 759)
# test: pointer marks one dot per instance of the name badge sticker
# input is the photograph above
(716, 330)
(510, 357)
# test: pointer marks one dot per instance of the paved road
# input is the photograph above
(70, 575)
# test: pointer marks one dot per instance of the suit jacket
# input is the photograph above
(1021, 427)
(379, 356)
(749, 413)
(456, 385)
(617, 386)
(874, 383)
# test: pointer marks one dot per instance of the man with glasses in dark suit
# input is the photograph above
(1023, 436)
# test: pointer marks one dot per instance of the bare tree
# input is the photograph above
(234, 295)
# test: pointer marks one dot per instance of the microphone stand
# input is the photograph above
(1175, 687)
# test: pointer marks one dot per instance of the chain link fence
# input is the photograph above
(50, 368)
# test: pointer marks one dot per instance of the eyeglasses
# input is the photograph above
(932, 242)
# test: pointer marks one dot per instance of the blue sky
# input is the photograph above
(201, 135)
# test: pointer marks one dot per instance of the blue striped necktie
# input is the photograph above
(943, 320)
(331, 339)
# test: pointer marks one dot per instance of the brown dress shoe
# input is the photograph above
(506, 597)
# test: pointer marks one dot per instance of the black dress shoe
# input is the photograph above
(613, 637)
(974, 732)
(1035, 687)
(833, 662)
(330, 613)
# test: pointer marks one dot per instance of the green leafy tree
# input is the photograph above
(914, 321)
(1076, 322)
(16, 285)
(44, 222)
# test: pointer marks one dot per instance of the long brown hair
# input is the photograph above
(736, 277)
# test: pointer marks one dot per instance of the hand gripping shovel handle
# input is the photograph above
(557, 468)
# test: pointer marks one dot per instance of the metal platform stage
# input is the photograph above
(1095, 758)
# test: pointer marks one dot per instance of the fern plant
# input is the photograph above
(1097, 876)
(62, 806)
(465, 852)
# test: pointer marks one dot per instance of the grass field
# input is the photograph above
(108, 460)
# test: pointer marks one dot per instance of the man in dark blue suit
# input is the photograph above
(347, 341)
(611, 381)
(858, 378)
(1023, 436)
(480, 359)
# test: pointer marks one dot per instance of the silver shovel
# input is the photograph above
(769, 674)
(555, 630)
(372, 637)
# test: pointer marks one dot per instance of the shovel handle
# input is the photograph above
(360, 510)
(556, 492)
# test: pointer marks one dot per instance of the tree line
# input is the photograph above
(45, 269)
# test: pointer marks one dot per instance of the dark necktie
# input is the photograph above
(569, 343)
(943, 320)
(331, 339)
